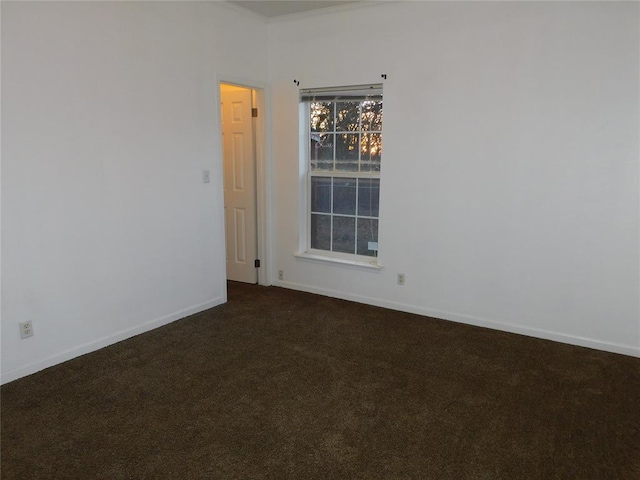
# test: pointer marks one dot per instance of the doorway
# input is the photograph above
(238, 116)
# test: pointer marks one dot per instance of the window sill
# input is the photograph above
(337, 260)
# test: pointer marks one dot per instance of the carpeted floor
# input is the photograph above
(278, 384)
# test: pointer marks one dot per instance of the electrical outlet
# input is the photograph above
(206, 178)
(26, 329)
(280, 274)
(401, 279)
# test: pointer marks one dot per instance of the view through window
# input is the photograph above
(345, 151)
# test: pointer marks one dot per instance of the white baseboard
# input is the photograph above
(106, 341)
(630, 350)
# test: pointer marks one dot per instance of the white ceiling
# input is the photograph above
(271, 9)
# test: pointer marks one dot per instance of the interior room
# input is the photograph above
(509, 198)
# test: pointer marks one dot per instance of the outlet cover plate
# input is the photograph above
(26, 329)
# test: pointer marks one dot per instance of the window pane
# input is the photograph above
(371, 117)
(345, 137)
(347, 116)
(321, 114)
(367, 237)
(347, 146)
(368, 197)
(344, 234)
(344, 196)
(321, 151)
(321, 232)
(321, 194)
(371, 151)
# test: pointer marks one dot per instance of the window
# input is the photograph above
(344, 128)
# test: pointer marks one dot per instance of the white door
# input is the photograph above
(239, 183)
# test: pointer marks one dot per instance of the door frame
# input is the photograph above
(263, 174)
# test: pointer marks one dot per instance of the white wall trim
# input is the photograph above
(630, 350)
(106, 341)
(307, 13)
(242, 10)
(326, 10)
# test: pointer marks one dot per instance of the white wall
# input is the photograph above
(510, 163)
(109, 116)
(509, 187)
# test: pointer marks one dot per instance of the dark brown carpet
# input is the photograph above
(279, 384)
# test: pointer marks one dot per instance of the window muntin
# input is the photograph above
(344, 158)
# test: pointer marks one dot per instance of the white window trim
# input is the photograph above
(304, 250)
(336, 258)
